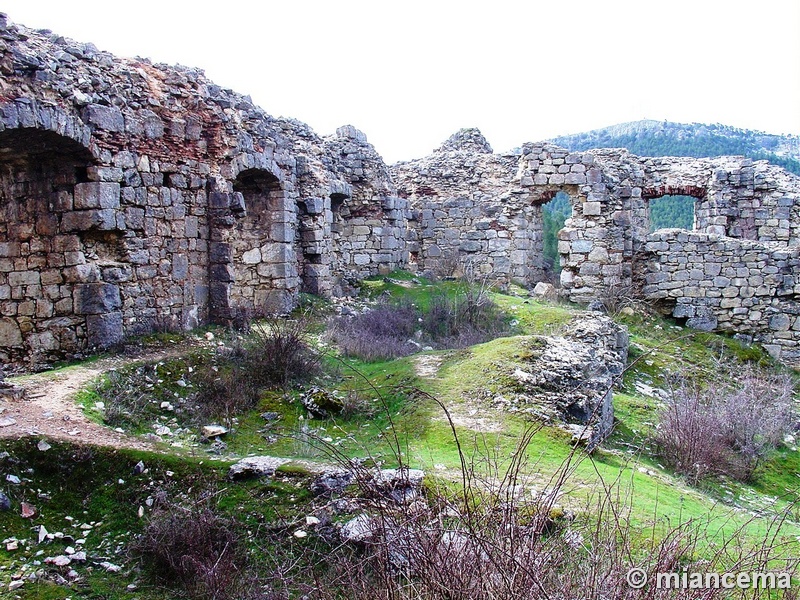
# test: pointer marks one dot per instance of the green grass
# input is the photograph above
(406, 419)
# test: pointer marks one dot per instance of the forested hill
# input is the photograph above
(663, 138)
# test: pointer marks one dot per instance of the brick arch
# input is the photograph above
(695, 191)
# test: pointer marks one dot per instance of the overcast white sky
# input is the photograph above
(410, 73)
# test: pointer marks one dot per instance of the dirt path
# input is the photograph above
(48, 409)
(464, 414)
(427, 365)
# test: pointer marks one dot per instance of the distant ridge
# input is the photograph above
(664, 138)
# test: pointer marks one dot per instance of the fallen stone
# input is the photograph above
(59, 561)
(15, 585)
(320, 403)
(217, 447)
(28, 511)
(358, 529)
(7, 422)
(43, 446)
(401, 485)
(13, 479)
(212, 431)
(5, 502)
(545, 290)
(255, 466)
(110, 567)
(42, 533)
(331, 482)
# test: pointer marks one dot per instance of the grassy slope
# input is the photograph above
(650, 497)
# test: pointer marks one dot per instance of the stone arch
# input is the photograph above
(54, 300)
(263, 264)
(29, 114)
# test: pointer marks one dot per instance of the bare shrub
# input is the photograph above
(224, 393)
(127, 397)
(465, 319)
(387, 331)
(354, 405)
(194, 549)
(277, 352)
(615, 296)
(489, 538)
(725, 429)
(381, 333)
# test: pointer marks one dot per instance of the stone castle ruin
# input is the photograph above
(136, 197)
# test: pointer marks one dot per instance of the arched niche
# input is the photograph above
(261, 244)
(53, 302)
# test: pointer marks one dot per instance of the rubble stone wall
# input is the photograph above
(138, 196)
(719, 283)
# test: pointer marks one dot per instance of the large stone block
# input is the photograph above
(10, 333)
(96, 194)
(97, 298)
(104, 330)
(592, 209)
(84, 220)
(220, 252)
(314, 206)
(108, 118)
(582, 246)
(252, 257)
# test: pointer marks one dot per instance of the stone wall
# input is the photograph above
(470, 209)
(138, 196)
(471, 205)
(718, 283)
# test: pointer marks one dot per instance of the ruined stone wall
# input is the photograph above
(734, 273)
(720, 283)
(368, 228)
(470, 211)
(136, 197)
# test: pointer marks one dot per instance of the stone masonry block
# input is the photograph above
(83, 220)
(97, 298)
(96, 194)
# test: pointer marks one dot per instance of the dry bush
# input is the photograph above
(451, 321)
(725, 428)
(490, 539)
(277, 353)
(463, 320)
(381, 333)
(613, 297)
(224, 393)
(195, 550)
